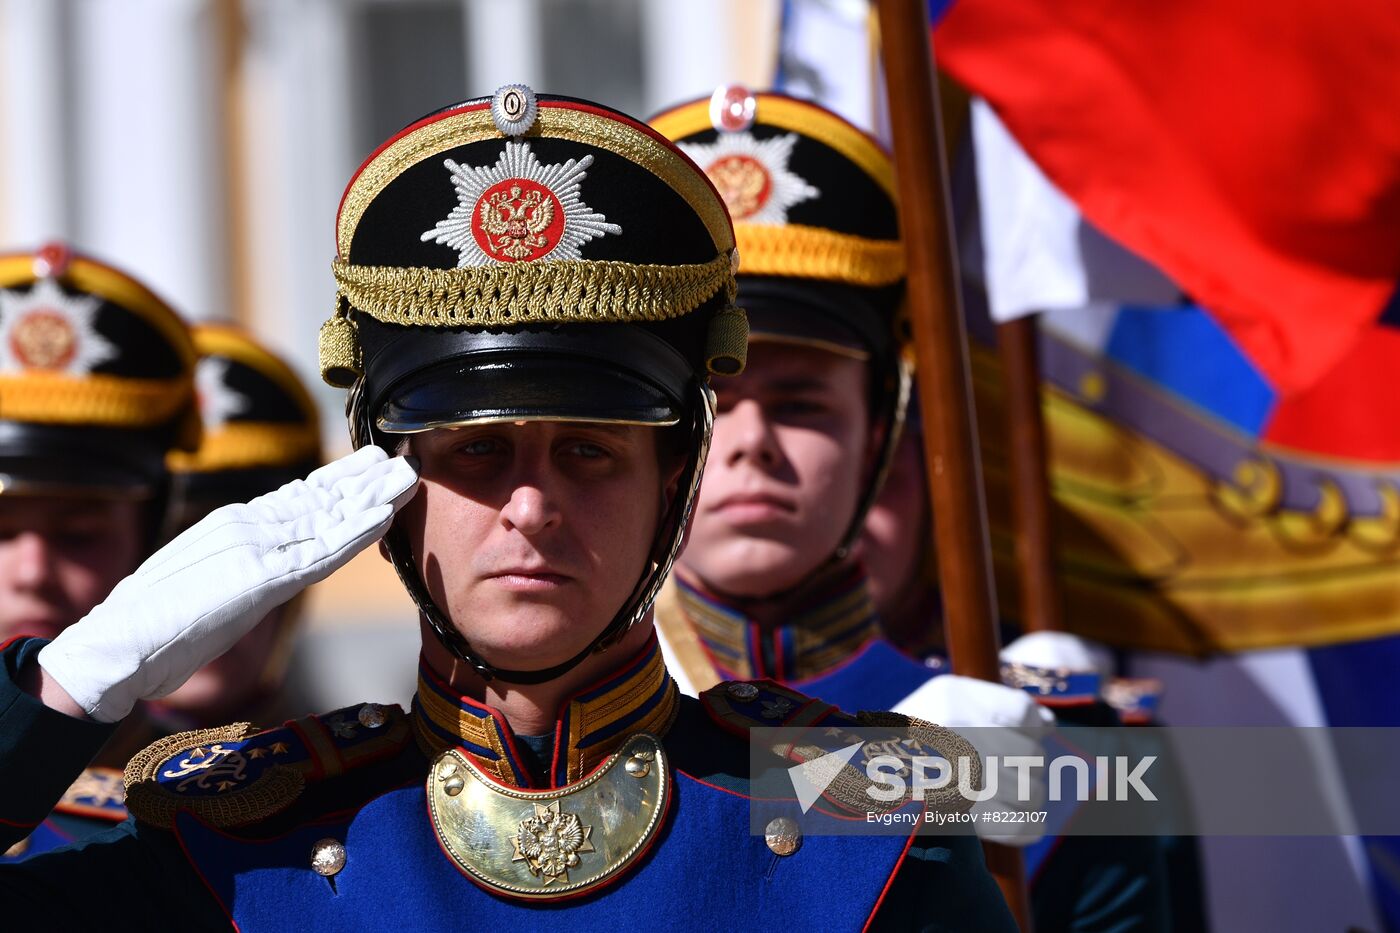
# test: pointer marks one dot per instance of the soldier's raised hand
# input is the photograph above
(197, 596)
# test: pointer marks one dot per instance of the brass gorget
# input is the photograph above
(543, 845)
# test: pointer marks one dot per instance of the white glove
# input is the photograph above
(1059, 651)
(197, 596)
(963, 703)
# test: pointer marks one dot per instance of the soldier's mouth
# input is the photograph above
(526, 580)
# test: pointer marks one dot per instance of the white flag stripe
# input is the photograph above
(1039, 254)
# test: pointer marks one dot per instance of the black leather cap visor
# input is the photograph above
(826, 315)
(43, 460)
(600, 374)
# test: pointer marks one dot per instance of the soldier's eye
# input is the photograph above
(798, 407)
(589, 451)
(480, 447)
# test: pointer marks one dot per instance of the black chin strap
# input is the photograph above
(892, 411)
(663, 552)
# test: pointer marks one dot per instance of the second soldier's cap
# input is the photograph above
(96, 379)
(816, 221)
(815, 218)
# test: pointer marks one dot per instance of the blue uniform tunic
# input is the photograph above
(831, 648)
(365, 788)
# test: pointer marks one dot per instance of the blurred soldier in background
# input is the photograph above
(96, 390)
(896, 547)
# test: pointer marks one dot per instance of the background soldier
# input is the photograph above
(533, 294)
(767, 585)
(96, 387)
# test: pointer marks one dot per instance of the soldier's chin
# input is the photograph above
(531, 658)
(533, 641)
(749, 567)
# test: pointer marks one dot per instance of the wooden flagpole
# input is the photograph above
(944, 384)
(1041, 604)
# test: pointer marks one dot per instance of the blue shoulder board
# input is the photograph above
(739, 705)
(98, 793)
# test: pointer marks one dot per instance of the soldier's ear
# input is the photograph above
(672, 458)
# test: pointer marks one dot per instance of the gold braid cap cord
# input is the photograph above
(564, 292)
(814, 253)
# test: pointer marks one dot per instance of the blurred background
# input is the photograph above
(203, 146)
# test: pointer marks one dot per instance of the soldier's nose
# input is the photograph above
(530, 510)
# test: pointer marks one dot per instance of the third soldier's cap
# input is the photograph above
(96, 379)
(261, 427)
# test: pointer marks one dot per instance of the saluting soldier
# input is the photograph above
(533, 293)
(96, 389)
(769, 584)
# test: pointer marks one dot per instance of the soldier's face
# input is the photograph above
(790, 451)
(59, 558)
(532, 536)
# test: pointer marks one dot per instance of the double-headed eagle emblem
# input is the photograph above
(515, 221)
(752, 175)
(551, 841)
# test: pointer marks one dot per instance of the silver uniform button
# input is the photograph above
(743, 692)
(327, 857)
(782, 836)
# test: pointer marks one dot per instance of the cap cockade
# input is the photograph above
(49, 330)
(518, 209)
(811, 195)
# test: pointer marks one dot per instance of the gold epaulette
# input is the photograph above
(235, 775)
